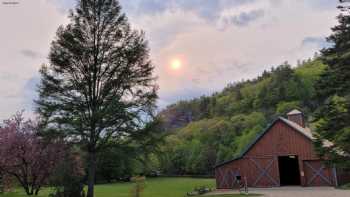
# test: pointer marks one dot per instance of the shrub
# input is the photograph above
(138, 187)
(199, 191)
(68, 176)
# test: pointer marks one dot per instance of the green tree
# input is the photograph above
(285, 107)
(333, 125)
(115, 162)
(333, 91)
(99, 84)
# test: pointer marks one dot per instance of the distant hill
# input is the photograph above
(210, 129)
(272, 93)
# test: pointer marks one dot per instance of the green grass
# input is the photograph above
(158, 187)
(346, 186)
(233, 195)
(155, 187)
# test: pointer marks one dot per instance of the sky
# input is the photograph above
(197, 46)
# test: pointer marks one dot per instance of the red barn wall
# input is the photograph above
(281, 139)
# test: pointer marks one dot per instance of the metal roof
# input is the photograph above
(305, 131)
(294, 112)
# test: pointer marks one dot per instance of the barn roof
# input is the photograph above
(294, 112)
(304, 131)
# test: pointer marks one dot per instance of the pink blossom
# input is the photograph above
(26, 156)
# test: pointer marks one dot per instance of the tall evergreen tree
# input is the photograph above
(99, 85)
(333, 94)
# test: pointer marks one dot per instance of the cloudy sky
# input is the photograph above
(213, 42)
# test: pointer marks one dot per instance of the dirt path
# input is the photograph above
(295, 192)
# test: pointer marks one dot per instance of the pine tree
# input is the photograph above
(333, 95)
(99, 84)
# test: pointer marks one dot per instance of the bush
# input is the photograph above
(199, 191)
(139, 186)
(68, 176)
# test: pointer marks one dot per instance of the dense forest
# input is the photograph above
(211, 129)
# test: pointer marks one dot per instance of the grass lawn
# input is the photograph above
(346, 186)
(155, 187)
(233, 195)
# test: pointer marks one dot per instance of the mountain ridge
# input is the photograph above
(208, 130)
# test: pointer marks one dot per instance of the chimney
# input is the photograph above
(297, 117)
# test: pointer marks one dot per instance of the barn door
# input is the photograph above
(226, 177)
(317, 174)
(263, 172)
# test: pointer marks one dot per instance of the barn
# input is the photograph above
(281, 155)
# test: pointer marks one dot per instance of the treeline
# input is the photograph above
(211, 129)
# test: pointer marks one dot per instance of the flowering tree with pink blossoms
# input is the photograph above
(26, 156)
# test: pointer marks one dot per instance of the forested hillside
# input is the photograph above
(208, 130)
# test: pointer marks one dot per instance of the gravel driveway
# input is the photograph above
(296, 192)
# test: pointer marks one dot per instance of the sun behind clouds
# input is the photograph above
(176, 64)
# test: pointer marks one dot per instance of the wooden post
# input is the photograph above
(335, 175)
(246, 186)
(302, 173)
